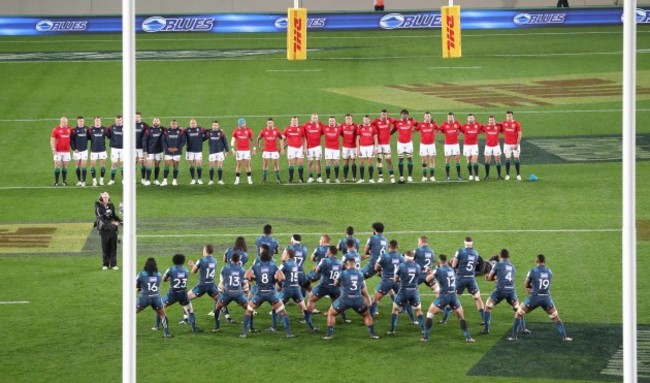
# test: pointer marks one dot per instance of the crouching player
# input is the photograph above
(354, 295)
(446, 279)
(148, 283)
(407, 276)
(233, 287)
(328, 269)
(538, 283)
(177, 276)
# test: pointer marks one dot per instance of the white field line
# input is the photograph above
(455, 67)
(294, 70)
(570, 111)
(14, 302)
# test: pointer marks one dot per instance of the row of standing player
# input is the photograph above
(343, 282)
(365, 141)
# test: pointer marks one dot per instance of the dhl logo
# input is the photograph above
(297, 34)
(451, 39)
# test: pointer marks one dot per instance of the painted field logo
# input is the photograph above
(178, 24)
(416, 21)
(61, 26)
(539, 18)
(44, 238)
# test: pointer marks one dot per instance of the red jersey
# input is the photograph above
(243, 138)
(383, 130)
(405, 130)
(367, 135)
(62, 136)
(471, 132)
(295, 135)
(349, 133)
(510, 132)
(332, 134)
(451, 131)
(270, 137)
(427, 132)
(313, 132)
(491, 134)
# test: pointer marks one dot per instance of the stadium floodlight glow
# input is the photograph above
(129, 251)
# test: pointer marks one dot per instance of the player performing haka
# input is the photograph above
(270, 134)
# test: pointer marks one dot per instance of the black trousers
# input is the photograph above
(109, 247)
(562, 3)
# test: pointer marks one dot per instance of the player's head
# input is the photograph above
(392, 245)
(138, 117)
(267, 229)
(294, 121)
(150, 266)
(349, 230)
(332, 251)
(265, 252)
(325, 239)
(235, 258)
(423, 240)
(366, 120)
(470, 118)
(491, 120)
(104, 197)
(296, 238)
(504, 254)
(540, 259)
(442, 259)
(408, 255)
(270, 122)
(80, 121)
(378, 227)
(178, 259)
(215, 125)
(208, 250)
(241, 123)
(173, 124)
(288, 254)
(156, 121)
(509, 116)
(192, 123)
(427, 116)
(468, 242)
(331, 121)
(348, 118)
(450, 117)
(404, 114)
(314, 118)
(350, 261)
(383, 114)
(240, 244)
(63, 121)
(118, 120)
(98, 121)
(350, 244)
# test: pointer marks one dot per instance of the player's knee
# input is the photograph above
(250, 308)
(488, 305)
(477, 296)
(520, 311)
(187, 308)
(396, 306)
(418, 307)
(429, 315)
(554, 315)
(280, 308)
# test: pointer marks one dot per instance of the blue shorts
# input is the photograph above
(291, 293)
(211, 289)
(510, 296)
(405, 297)
(466, 283)
(385, 286)
(265, 296)
(303, 280)
(445, 300)
(357, 304)
(369, 270)
(176, 296)
(331, 291)
(543, 301)
(155, 302)
(226, 297)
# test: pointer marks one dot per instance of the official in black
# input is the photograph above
(107, 222)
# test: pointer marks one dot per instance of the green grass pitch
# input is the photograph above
(563, 84)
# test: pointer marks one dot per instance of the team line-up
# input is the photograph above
(348, 141)
(344, 282)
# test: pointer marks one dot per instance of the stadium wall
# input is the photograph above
(111, 7)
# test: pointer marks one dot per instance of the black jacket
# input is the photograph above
(104, 215)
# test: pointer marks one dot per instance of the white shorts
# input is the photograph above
(98, 156)
(294, 152)
(427, 150)
(314, 153)
(117, 154)
(155, 156)
(470, 150)
(139, 154)
(193, 156)
(270, 155)
(383, 149)
(510, 149)
(405, 149)
(452, 150)
(216, 157)
(80, 155)
(62, 156)
(492, 151)
(332, 154)
(367, 151)
(173, 157)
(242, 155)
(349, 153)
